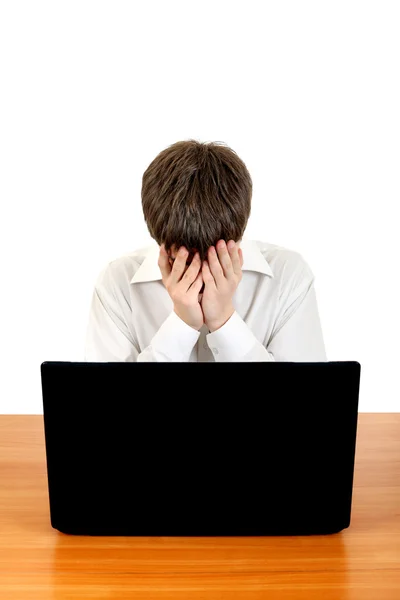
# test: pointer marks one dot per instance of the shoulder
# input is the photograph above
(288, 265)
(118, 272)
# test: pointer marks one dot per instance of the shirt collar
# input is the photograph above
(253, 260)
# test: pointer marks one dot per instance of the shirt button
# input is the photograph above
(215, 350)
(205, 346)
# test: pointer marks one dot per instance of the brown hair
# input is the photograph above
(194, 194)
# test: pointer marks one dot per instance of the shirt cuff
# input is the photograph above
(175, 339)
(232, 341)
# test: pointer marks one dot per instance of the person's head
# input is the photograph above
(194, 194)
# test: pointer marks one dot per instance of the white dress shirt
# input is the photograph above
(276, 316)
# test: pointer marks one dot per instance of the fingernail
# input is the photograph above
(182, 251)
(231, 244)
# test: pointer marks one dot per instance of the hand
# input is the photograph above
(222, 275)
(183, 290)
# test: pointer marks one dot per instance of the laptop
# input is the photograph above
(200, 449)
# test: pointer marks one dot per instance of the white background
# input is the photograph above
(308, 95)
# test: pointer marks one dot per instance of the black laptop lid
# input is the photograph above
(200, 448)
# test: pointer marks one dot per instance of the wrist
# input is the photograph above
(218, 324)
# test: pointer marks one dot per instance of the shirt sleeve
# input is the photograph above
(109, 339)
(173, 342)
(297, 336)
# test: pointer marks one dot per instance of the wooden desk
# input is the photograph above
(38, 562)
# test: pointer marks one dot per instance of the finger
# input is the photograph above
(207, 275)
(241, 257)
(196, 285)
(215, 266)
(225, 259)
(163, 263)
(179, 265)
(235, 258)
(191, 272)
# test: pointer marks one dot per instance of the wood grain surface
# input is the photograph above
(361, 562)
